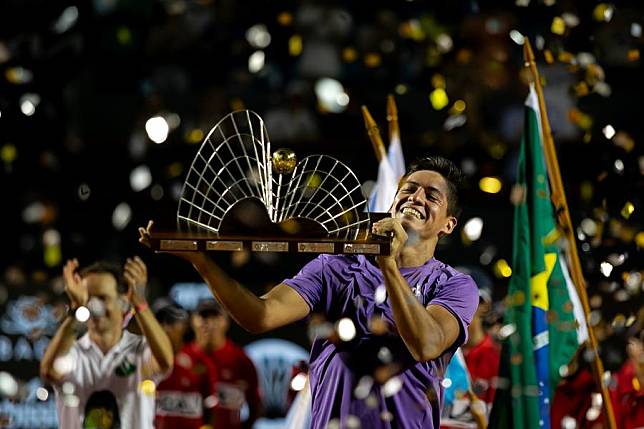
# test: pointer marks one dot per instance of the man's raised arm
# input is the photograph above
(280, 306)
(66, 333)
(426, 331)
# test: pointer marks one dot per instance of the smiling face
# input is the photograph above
(421, 205)
(103, 287)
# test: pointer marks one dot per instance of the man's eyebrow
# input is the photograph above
(428, 189)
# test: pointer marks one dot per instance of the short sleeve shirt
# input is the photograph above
(182, 396)
(107, 386)
(236, 383)
(342, 372)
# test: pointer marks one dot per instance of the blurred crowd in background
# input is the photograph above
(104, 103)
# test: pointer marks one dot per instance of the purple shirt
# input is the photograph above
(345, 286)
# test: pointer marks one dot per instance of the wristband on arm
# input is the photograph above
(139, 308)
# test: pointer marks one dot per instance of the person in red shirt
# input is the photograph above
(482, 353)
(573, 396)
(237, 377)
(185, 399)
(628, 393)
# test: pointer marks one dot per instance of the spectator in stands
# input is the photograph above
(481, 352)
(628, 392)
(237, 377)
(186, 398)
(106, 377)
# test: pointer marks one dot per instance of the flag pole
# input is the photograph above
(563, 219)
(392, 118)
(374, 134)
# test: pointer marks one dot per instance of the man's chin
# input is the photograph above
(411, 222)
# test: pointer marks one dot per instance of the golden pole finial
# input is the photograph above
(374, 134)
(528, 55)
(392, 118)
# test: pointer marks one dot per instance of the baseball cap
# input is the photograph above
(168, 312)
(208, 307)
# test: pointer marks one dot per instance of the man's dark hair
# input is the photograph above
(452, 174)
(104, 267)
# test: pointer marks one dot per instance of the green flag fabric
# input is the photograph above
(539, 323)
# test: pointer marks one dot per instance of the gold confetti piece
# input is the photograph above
(236, 104)
(623, 140)
(502, 269)
(463, 56)
(148, 387)
(633, 54)
(124, 35)
(285, 18)
(401, 89)
(603, 12)
(438, 98)
(175, 169)
(558, 25)
(349, 54)
(548, 56)
(586, 190)
(580, 119)
(313, 181)
(8, 153)
(372, 60)
(194, 136)
(295, 45)
(627, 210)
(459, 106)
(581, 89)
(52, 256)
(566, 57)
(588, 136)
(639, 239)
(497, 150)
(18, 75)
(490, 185)
(438, 81)
(594, 74)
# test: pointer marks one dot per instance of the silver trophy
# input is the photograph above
(238, 195)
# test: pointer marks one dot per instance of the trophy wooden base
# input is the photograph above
(202, 240)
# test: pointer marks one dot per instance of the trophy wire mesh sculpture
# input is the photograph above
(235, 163)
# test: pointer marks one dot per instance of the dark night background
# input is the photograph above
(79, 80)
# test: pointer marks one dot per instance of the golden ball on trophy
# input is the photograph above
(284, 161)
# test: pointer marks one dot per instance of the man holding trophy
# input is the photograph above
(399, 317)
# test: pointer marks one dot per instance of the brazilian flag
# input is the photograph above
(539, 321)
